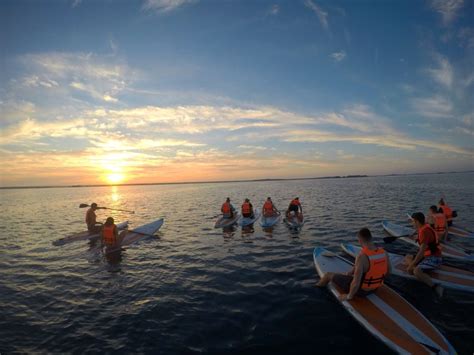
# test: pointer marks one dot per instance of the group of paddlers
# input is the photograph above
(372, 265)
(268, 209)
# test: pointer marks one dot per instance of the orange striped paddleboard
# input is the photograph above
(386, 314)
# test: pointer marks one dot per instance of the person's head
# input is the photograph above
(109, 221)
(227, 199)
(418, 219)
(364, 236)
(247, 200)
(94, 206)
(441, 202)
(297, 198)
(269, 198)
(433, 209)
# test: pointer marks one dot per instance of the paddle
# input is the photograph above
(82, 205)
(330, 254)
(392, 238)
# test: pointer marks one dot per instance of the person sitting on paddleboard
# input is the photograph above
(109, 234)
(247, 209)
(448, 212)
(429, 253)
(269, 209)
(295, 206)
(370, 269)
(227, 209)
(437, 220)
(91, 219)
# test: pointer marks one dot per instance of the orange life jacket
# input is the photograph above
(433, 245)
(378, 268)
(226, 208)
(268, 207)
(439, 222)
(295, 202)
(448, 212)
(108, 234)
(246, 208)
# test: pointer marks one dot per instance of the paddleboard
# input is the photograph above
(226, 222)
(243, 221)
(386, 314)
(84, 236)
(267, 222)
(447, 276)
(460, 232)
(133, 236)
(396, 230)
(293, 222)
(405, 234)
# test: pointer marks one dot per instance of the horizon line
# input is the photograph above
(230, 181)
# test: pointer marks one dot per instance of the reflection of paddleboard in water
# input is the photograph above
(223, 222)
(246, 221)
(385, 314)
(446, 276)
(267, 222)
(133, 236)
(293, 222)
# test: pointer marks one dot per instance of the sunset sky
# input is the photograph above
(146, 91)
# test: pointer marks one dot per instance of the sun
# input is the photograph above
(115, 178)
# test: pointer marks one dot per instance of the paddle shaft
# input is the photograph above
(82, 205)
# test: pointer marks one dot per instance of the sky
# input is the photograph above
(150, 91)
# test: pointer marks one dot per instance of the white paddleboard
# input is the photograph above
(244, 221)
(447, 276)
(386, 314)
(405, 234)
(227, 222)
(267, 222)
(133, 236)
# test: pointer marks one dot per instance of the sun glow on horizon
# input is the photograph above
(115, 178)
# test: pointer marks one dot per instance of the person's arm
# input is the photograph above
(356, 281)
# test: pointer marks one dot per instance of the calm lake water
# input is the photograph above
(196, 289)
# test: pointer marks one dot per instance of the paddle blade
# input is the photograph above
(82, 205)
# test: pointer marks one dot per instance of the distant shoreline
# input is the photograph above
(227, 181)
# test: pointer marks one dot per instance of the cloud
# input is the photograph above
(274, 10)
(163, 6)
(448, 9)
(320, 13)
(433, 107)
(101, 77)
(443, 74)
(76, 3)
(466, 37)
(338, 56)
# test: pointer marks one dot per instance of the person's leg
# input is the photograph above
(422, 276)
(325, 279)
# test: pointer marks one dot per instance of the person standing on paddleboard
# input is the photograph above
(429, 253)
(91, 219)
(295, 206)
(109, 234)
(247, 209)
(269, 209)
(227, 209)
(370, 269)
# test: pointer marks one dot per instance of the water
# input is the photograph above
(196, 289)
